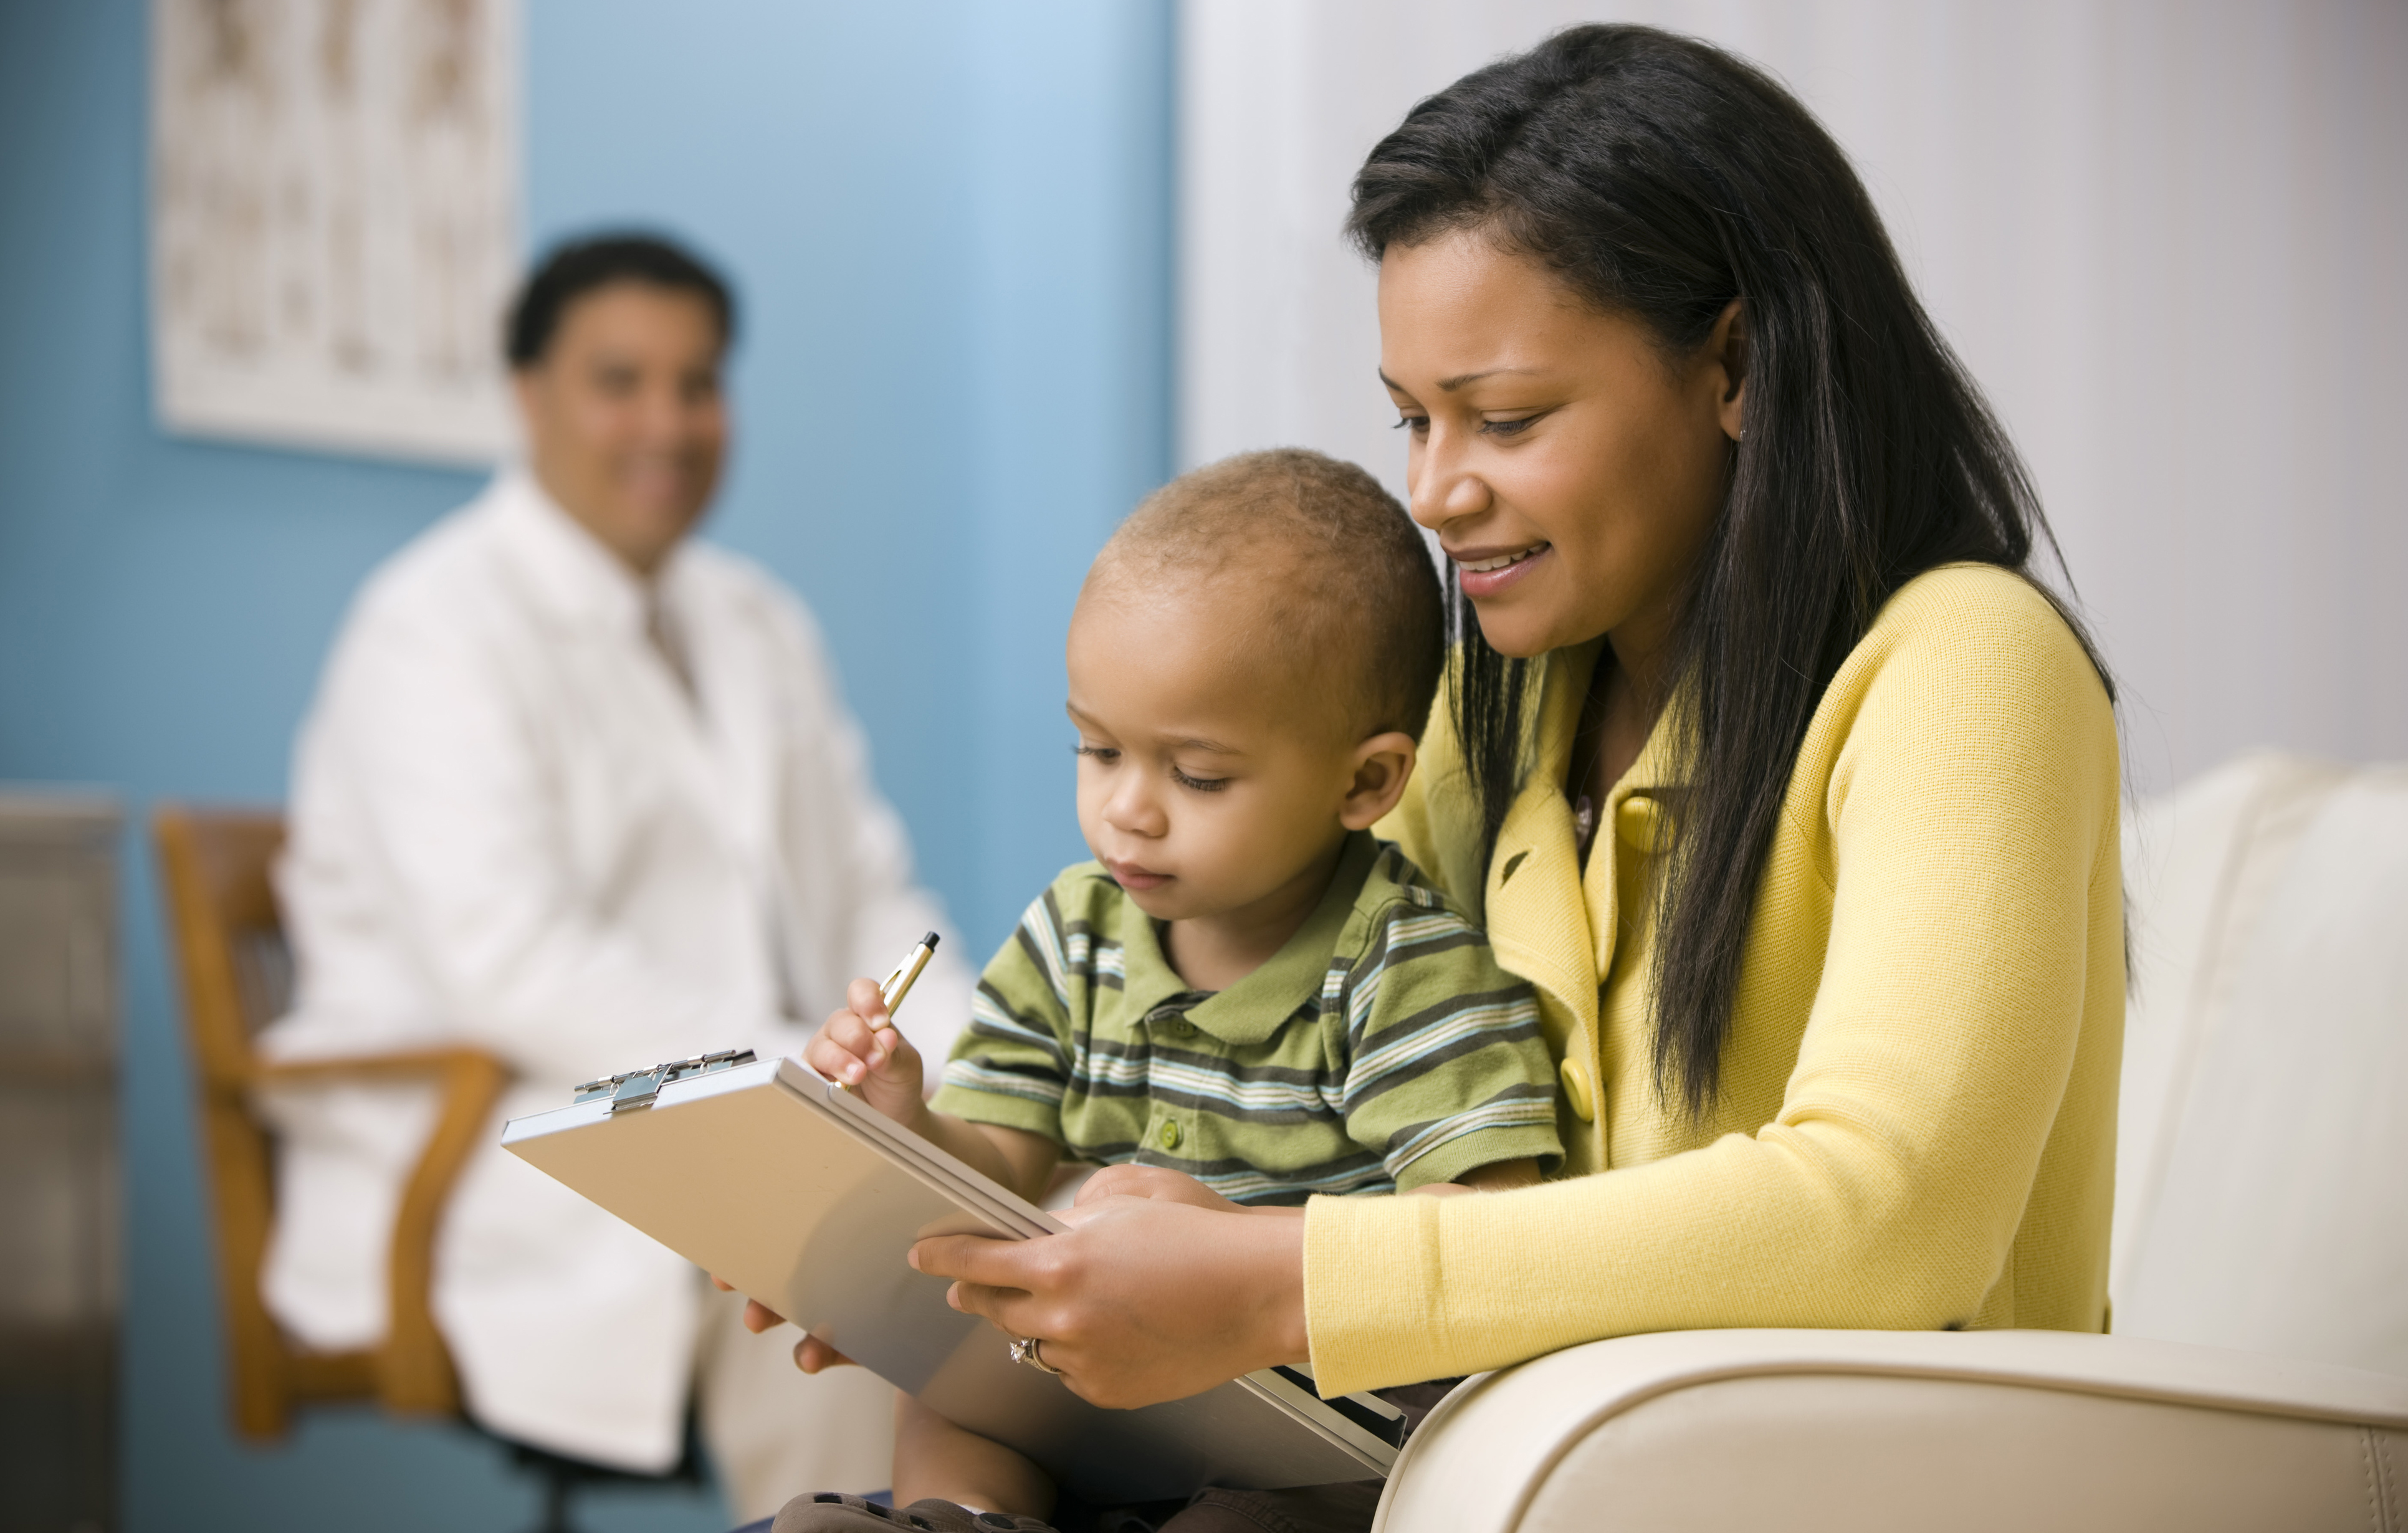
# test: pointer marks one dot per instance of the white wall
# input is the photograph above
(2168, 236)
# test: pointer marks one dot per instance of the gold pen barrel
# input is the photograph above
(898, 984)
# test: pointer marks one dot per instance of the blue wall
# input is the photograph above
(951, 223)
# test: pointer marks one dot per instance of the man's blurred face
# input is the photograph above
(625, 426)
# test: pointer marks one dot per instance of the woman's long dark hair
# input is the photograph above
(1662, 178)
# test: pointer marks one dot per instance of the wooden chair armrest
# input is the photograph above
(414, 1371)
(334, 1068)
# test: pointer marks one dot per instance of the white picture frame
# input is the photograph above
(335, 222)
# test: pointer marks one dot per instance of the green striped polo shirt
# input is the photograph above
(1380, 1048)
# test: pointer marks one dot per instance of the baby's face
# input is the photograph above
(1208, 777)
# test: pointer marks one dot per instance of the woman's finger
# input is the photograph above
(975, 1258)
(1008, 1306)
(812, 1355)
(1142, 1299)
(1011, 1311)
(758, 1317)
(1016, 1315)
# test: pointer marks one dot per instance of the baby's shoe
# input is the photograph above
(828, 1513)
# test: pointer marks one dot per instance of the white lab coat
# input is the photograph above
(512, 826)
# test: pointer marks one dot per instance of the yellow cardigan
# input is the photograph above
(1916, 1125)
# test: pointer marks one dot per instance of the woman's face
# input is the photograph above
(1570, 469)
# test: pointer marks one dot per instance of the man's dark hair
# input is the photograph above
(578, 268)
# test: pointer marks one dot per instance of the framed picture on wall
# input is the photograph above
(333, 222)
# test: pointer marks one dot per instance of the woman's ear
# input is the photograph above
(1383, 764)
(1726, 359)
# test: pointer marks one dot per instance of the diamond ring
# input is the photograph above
(1025, 1351)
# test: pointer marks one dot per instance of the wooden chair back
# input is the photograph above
(216, 868)
(219, 869)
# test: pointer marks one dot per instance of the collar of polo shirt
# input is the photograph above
(1254, 1008)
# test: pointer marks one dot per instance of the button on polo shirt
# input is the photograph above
(1381, 1047)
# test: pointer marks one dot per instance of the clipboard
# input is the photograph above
(805, 1197)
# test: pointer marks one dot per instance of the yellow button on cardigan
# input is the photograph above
(1916, 1125)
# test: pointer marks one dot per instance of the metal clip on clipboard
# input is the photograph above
(637, 1088)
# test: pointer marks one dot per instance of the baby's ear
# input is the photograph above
(1383, 766)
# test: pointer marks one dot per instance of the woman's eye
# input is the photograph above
(1417, 424)
(1201, 784)
(1508, 428)
(1105, 753)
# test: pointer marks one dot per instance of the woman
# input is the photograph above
(1768, 765)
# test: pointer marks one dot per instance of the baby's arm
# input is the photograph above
(1460, 1087)
(860, 1048)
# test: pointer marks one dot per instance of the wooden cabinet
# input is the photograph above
(60, 1227)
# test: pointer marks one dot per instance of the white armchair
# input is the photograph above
(2259, 1374)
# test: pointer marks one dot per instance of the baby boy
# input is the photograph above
(1244, 985)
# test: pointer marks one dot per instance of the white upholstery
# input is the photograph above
(2262, 1207)
(1870, 1431)
(2261, 1183)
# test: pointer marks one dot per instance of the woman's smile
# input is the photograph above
(1589, 517)
(1490, 571)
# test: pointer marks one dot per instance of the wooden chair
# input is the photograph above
(229, 944)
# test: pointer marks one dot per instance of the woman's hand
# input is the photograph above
(1147, 1298)
(860, 1048)
(810, 1353)
(813, 1355)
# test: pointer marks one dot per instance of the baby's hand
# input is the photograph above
(1155, 1181)
(859, 1048)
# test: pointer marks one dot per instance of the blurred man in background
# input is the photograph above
(585, 795)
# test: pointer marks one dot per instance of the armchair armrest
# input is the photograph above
(1870, 1431)
(413, 1365)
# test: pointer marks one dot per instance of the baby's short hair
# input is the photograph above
(1351, 595)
